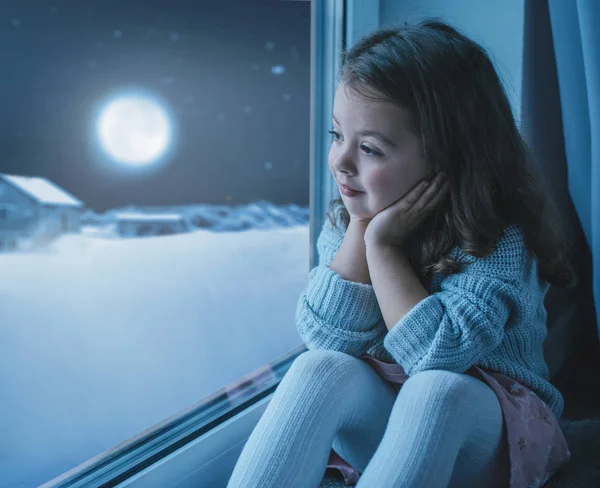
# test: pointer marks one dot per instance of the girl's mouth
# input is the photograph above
(348, 192)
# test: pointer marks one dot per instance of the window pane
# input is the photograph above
(154, 187)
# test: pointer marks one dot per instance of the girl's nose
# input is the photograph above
(344, 164)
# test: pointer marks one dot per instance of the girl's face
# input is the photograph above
(374, 152)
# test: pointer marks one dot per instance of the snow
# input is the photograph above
(103, 338)
(153, 217)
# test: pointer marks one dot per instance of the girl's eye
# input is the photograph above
(334, 133)
(371, 151)
(367, 150)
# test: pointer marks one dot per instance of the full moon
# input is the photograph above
(134, 130)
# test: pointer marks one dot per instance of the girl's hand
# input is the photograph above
(392, 225)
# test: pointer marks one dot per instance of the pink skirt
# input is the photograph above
(536, 444)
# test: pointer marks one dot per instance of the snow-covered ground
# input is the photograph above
(103, 338)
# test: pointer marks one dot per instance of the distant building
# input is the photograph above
(34, 211)
(138, 224)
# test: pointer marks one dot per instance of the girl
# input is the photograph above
(425, 318)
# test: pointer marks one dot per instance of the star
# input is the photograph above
(515, 388)
(522, 443)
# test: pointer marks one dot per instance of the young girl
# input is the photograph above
(424, 318)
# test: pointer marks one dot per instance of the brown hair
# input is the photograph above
(464, 120)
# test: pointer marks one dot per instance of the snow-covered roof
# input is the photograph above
(148, 216)
(42, 190)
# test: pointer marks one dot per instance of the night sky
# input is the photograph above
(242, 132)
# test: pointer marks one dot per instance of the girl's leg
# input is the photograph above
(441, 421)
(323, 392)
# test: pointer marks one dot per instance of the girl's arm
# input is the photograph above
(464, 321)
(339, 311)
(350, 261)
(395, 282)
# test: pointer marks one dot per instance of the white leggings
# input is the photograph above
(442, 429)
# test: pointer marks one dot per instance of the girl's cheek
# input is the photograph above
(380, 183)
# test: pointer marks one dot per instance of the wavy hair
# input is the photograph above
(461, 113)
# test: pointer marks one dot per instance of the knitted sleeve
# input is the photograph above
(333, 313)
(454, 328)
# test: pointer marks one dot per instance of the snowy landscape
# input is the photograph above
(103, 336)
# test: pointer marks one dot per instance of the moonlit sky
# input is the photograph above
(234, 74)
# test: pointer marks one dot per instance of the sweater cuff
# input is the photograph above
(342, 303)
(412, 336)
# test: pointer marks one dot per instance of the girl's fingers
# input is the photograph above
(414, 194)
(421, 194)
(421, 189)
(432, 192)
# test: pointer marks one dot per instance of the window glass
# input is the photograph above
(155, 156)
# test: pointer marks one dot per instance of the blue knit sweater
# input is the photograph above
(490, 314)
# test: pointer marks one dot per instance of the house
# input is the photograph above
(34, 211)
(139, 224)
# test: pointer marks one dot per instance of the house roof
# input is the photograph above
(42, 190)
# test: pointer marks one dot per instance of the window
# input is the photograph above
(64, 222)
(198, 109)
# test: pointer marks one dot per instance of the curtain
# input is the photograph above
(561, 112)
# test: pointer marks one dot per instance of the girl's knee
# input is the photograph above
(434, 379)
(323, 379)
(447, 387)
(322, 365)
